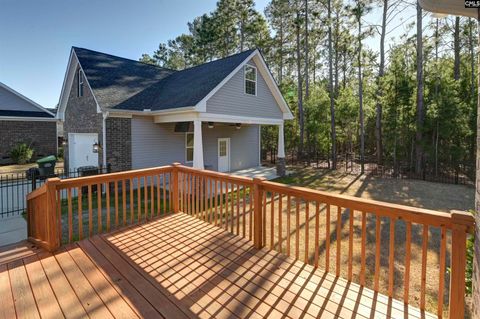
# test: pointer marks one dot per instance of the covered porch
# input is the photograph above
(219, 152)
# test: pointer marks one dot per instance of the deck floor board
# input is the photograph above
(179, 267)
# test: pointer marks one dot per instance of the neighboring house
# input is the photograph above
(133, 115)
(24, 121)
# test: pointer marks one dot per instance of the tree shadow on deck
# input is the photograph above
(207, 272)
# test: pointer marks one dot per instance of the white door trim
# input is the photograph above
(227, 139)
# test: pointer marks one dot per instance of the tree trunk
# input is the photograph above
(381, 71)
(330, 87)
(337, 32)
(280, 65)
(301, 115)
(420, 108)
(456, 50)
(307, 80)
(360, 96)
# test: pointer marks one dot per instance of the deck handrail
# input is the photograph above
(239, 204)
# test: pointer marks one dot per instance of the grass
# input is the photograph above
(117, 216)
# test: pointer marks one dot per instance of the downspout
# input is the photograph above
(104, 139)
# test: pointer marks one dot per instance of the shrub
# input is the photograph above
(21, 154)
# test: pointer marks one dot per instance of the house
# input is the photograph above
(24, 121)
(132, 115)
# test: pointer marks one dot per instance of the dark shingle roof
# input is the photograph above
(25, 114)
(131, 85)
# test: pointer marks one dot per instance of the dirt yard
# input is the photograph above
(442, 197)
(436, 196)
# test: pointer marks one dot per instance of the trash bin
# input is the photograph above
(88, 171)
(46, 166)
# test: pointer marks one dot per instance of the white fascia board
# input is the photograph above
(202, 105)
(28, 119)
(216, 118)
(26, 99)
(267, 75)
(272, 85)
(130, 113)
(99, 109)
(67, 85)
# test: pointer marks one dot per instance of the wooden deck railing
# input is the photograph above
(379, 245)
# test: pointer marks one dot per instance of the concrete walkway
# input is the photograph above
(261, 171)
(12, 230)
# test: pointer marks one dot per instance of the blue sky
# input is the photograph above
(36, 36)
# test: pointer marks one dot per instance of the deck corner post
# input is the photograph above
(175, 197)
(257, 212)
(462, 222)
(53, 217)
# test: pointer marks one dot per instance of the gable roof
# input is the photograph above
(14, 104)
(124, 84)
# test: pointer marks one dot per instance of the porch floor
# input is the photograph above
(260, 171)
(179, 267)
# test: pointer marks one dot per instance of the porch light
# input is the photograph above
(64, 142)
(238, 126)
(96, 147)
(210, 124)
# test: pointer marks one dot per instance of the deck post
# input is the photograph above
(461, 221)
(53, 222)
(175, 197)
(257, 212)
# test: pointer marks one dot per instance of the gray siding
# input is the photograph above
(155, 144)
(158, 144)
(12, 102)
(244, 145)
(232, 100)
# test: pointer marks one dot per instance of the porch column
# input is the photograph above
(197, 145)
(281, 152)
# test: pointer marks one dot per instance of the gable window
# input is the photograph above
(80, 83)
(189, 146)
(250, 80)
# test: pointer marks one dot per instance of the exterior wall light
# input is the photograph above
(96, 147)
(210, 124)
(238, 126)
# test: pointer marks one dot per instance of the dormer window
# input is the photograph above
(250, 80)
(80, 83)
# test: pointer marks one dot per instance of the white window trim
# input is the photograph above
(80, 83)
(245, 79)
(187, 147)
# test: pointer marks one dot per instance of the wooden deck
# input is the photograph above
(179, 267)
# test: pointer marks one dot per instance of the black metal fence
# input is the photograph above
(462, 174)
(14, 187)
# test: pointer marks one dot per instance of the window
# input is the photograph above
(250, 80)
(189, 146)
(80, 83)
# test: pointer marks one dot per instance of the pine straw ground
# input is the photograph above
(441, 197)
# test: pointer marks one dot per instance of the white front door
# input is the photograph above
(80, 150)
(224, 154)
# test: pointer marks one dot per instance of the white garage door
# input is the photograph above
(80, 150)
